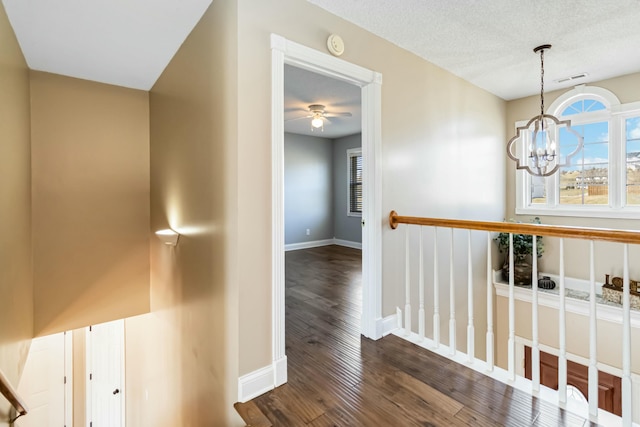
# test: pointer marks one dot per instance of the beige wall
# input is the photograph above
(90, 171)
(182, 357)
(439, 133)
(16, 283)
(211, 180)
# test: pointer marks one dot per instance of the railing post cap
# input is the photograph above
(392, 220)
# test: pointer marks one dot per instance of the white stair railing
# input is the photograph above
(535, 335)
(488, 365)
(593, 336)
(490, 335)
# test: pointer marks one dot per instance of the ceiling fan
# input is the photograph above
(319, 115)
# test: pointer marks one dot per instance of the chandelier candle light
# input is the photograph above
(542, 158)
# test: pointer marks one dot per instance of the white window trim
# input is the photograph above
(351, 152)
(616, 115)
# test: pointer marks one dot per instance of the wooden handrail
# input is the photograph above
(603, 234)
(12, 396)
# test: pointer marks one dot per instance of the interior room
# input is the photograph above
(153, 200)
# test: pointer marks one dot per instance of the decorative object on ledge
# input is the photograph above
(613, 291)
(546, 283)
(522, 251)
(168, 236)
(543, 156)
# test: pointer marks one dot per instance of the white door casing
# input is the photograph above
(285, 51)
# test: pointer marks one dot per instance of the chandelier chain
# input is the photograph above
(541, 82)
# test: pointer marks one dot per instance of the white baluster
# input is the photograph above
(535, 348)
(452, 303)
(562, 325)
(470, 327)
(489, 306)
(593, 337)
(436, 291)
(421, 286)
(407, 284)
(626, 344)
(511, 342)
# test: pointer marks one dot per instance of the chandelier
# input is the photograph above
(541, 157)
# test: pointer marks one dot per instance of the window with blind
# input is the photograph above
(354, 157)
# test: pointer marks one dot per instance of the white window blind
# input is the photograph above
(354, 157)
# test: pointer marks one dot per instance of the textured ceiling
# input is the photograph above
(302, 88)
(121, 42)
(490, 42)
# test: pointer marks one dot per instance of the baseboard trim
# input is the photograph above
(262, 380)
(319, 243)
(389, 324)
(347, 243)
(255, 383)
(280, 371)
(308, 245)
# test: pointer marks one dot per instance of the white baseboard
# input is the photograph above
(389, 324)
(307, 245)
(262, 380)
(325, 242)
(255, 383)
(347, 243)
(280, 371)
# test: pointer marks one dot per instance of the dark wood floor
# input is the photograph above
(338, 378)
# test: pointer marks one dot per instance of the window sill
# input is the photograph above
(587, 212)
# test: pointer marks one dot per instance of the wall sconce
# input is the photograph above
(168, 236)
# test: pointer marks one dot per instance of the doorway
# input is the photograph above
(288, 52)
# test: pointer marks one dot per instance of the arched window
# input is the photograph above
(603, 178)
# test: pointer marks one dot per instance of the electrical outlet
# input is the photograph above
(308, 232)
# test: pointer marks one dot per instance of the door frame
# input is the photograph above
(283, 52)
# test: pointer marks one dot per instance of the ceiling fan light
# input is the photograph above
(317, 122)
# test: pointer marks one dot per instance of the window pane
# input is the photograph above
(596, 153)
(585, 181)
(585, 185)
(583, 106)
(632, 127)
(538, 190)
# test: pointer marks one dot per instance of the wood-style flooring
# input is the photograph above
(338, 378)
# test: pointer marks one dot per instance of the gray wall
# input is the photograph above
(315, 189)
(308, 195)
(344, 227)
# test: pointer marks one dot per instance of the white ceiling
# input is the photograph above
(121, 42)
